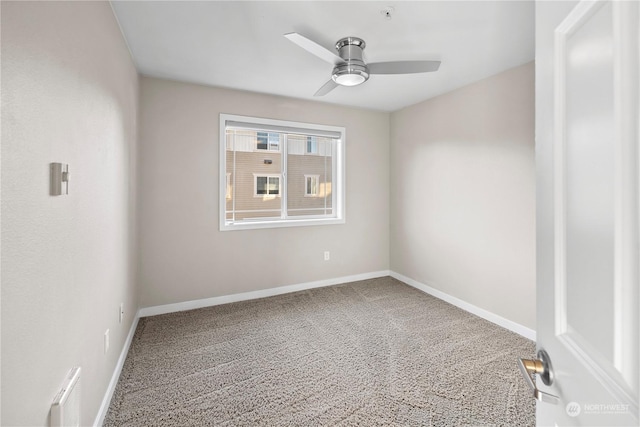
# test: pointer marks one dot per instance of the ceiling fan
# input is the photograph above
(349, 67)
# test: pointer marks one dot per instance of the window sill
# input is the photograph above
(252, 225)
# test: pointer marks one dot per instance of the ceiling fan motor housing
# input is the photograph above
(353, 71)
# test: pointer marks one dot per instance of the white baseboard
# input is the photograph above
(106, 401)
(244, 296)
(480, 312)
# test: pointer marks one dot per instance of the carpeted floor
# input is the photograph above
(369, 353)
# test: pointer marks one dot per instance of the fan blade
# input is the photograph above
(314, 48)
(403, 67)
(326, 88)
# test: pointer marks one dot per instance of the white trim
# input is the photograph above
(317, 178)
(305, 221)
(106, 400)
(487, 315)
(244, 296)
(267, 175)
(626, 68)
(559, 167)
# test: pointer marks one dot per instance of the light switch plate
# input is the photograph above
(59, 179)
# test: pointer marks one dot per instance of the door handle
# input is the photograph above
(542, 367)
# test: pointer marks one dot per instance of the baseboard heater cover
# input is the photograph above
(65, 409)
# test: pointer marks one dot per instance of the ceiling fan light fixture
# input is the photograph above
(350, 75)
(350, 69)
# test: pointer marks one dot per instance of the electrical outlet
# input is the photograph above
(327, 256)
(106, 341)
(121, 315)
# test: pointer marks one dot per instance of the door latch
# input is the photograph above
(542, 367)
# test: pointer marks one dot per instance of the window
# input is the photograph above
(266, 185)
(269, 141)
(268, 180)
(312, 145)
(311, 185)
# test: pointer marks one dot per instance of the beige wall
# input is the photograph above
(442, 192)
(463, 194)
(69, 94)
(184, 256)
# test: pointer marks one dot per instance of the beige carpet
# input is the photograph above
(370, 353)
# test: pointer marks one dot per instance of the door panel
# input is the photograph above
(587, 121)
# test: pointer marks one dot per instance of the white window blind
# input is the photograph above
(298, 130)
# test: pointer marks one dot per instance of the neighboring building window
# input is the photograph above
(267, 185)
(269, 141)
(270, 180)
(311, 185)
(312, 145)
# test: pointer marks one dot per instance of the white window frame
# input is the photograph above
(266, 175)
(263, 124)
(307, 177)
(268, 149)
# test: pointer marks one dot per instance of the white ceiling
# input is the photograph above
(240, 44)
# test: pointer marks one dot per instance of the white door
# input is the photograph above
(588, 190)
